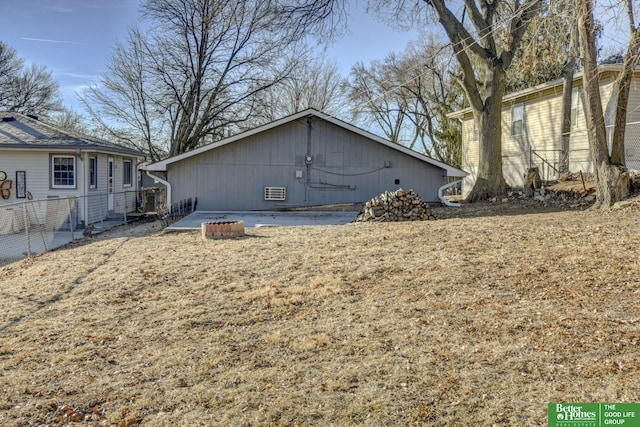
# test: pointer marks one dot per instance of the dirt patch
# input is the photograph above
(481, 317)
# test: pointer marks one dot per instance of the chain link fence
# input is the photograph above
(36, 226)
(631, 145)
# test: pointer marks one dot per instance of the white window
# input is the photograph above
(63, 171)
(475, 135)
(574, 108)
(93, 172)
(517, 119)
(127, 173)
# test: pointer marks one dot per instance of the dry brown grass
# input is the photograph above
(471, 320)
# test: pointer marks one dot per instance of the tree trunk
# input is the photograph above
(567, 93)
(490, 180)
(485, 88)
(532, 182)
(610, 179)
(623, 84)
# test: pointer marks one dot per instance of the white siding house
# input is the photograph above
(532, 127)
(39, 161)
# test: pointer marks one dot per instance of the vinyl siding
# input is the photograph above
(37, 165)
(542, 139)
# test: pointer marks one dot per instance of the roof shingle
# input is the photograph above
(25, 131)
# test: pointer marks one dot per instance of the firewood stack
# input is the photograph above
(399, 205)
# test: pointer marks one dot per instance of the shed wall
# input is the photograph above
(345, 168)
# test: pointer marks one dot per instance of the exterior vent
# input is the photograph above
(275, 193)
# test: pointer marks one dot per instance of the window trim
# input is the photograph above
(514, 109)
(93, 174)
(52, 171)
(126, 168)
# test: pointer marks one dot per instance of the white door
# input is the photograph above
(110, 184)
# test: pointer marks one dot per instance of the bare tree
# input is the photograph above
(408, 95)
(313, 83)
(29, 90)
(214, 56)
(612, 180)
(491, 43)
(70, 120)
(195, 76)
(126, 104)
(10, 65)
(375, 98)
(428, 80)
(34, 92)
(484, 35)
(546, 47)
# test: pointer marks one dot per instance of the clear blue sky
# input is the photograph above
(74, 38)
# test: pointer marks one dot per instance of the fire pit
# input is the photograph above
(222, 230)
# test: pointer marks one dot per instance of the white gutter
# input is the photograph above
(165, 182)
(443, 199)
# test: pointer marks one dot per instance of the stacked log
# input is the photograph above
(399, 205)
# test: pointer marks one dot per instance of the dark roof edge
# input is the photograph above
(72, 147)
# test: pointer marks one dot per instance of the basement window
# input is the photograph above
(275, 193)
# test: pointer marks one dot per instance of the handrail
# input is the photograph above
(545, 160)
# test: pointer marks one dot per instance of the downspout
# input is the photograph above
(308, 160)
(443, 199)
(165, 182)
(85, 189)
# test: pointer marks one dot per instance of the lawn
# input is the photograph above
(479, 318)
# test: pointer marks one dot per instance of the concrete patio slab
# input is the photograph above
(264, 218)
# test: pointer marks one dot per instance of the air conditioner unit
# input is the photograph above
(275, 193)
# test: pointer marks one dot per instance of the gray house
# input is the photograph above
(306, 159)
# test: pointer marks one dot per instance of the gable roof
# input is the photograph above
(19, 131)
(450, 170)
(521, 95)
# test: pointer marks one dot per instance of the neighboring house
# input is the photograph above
(532, 127)
(40, 161)
(306, 159)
